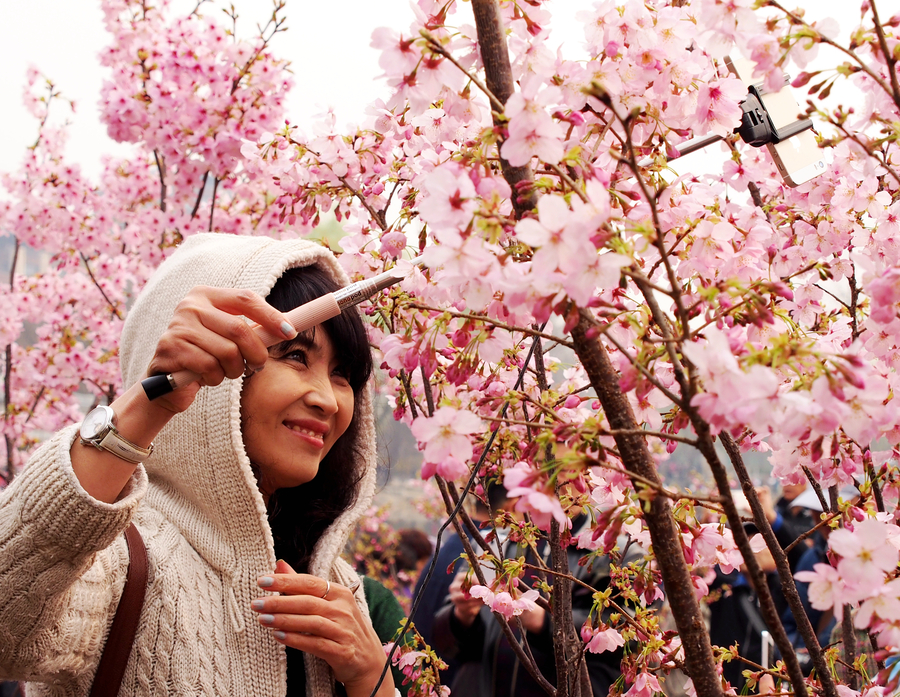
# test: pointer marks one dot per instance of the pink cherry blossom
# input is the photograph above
(645, 685)
(520, 481)
(447, 446)
(601, 640)
(504, 602)
(826, 588)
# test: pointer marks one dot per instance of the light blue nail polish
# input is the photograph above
(281, 636)
(267, 619)
(258, 605)
(265, 581)
(288, 330)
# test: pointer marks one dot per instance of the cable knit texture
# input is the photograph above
(63, 556)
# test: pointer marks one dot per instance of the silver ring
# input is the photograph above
(327, 590)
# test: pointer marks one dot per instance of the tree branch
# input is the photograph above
(436, 47)
(199, 196)
(825, 40)
(161, 170)
(666, 539)
(514, 644)
(212, 202)
(490, 320)
(109, 302)
(886, 52)
(7, 372)
(787, 581)
(498, 76)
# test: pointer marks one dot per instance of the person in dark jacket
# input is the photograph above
(465, 628)
(436, 592)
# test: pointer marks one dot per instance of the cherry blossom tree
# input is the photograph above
(584, 310)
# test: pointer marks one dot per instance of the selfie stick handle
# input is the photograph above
(301, 318)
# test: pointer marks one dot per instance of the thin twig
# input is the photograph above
(825, 40)
(490, 320)
(7, 371)
(886, 52)
(435, 46)
(659, 488)
(675, 399)
(816, 487)
(377, 216)
(869, 151)
(609, 601)
(212, 202)
(109, 302)
(514, 644)
(637, 274)
(199, 196)
(556, 169)
(34, 403)
(161, 170)
(809, 533)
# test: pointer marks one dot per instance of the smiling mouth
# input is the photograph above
(308, 432)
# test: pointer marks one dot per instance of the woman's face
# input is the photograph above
(294, 410)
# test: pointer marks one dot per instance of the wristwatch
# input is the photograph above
(98, 429)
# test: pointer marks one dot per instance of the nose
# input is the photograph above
(318, 392)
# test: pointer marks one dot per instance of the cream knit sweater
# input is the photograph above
(63, 557)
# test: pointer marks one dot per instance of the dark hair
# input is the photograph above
(413, 547)
(298, 516)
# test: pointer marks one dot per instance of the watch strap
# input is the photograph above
(114, 443)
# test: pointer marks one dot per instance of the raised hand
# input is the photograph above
(322, 618)
(208, 336)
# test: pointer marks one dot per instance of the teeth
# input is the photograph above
(306, 431)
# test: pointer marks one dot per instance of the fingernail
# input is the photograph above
(258, 605)
(267, 619)
(265, 581)
(281, 636)
(257, 368)
(288, 330)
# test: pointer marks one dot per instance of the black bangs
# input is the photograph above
(301, 284)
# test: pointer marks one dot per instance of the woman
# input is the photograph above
(244, 471)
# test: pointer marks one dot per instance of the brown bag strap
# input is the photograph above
(121, 635)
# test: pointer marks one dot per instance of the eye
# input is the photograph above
(342, 374)
(295, 355)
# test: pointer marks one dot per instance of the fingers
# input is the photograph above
(208, 335)
(282, 567)
(255, 308)
(315, 625)
(329, 627)
(290, 583)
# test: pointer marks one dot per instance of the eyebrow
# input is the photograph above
(305, 340)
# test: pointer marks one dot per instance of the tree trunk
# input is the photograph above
(698, 656)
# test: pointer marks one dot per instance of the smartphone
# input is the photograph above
(798, 158)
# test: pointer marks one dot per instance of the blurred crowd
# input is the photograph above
(482, 663)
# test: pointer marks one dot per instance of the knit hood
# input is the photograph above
(200, 476)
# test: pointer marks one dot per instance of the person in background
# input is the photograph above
(436, 592)
(796, 517)
(735, 617)
(413, 552)
(465, 628)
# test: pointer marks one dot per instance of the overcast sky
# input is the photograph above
(327, 43)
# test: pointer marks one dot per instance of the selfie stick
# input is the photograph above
(301, 318)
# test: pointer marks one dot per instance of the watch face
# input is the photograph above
(95, 423)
